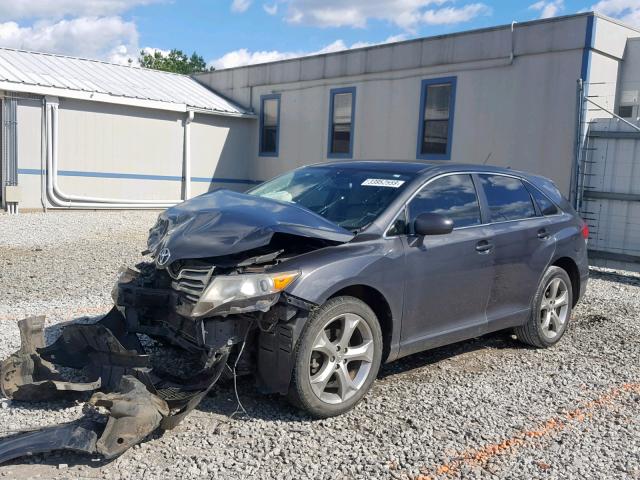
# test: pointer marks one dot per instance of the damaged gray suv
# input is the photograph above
(331, 269)
(311, 280)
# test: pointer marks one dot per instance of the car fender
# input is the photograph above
(377, 264)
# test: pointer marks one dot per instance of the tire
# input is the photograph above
(550, 312)
(332, 371)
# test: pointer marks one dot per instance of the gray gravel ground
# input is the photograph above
(486, 408)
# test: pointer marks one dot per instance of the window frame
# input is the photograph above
(632, 107)
(421, 117)
(261, 152)
(532, 188)
(482, 199)
(534, 204)
(332, 94)
(477, 195)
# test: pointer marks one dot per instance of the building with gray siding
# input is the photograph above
(524, 95)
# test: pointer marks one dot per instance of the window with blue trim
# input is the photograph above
(341, 122)
(269, 125)
(437, 106)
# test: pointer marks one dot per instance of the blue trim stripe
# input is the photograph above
(588, 45)
(332, 96)
(139, 176)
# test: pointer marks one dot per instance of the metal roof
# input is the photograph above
(49, 74)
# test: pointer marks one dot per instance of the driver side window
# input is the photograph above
(452, 196)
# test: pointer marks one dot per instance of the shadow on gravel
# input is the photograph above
(221, 406)
(222, 401)
(55, 459)
(615, 277)
(495, 341)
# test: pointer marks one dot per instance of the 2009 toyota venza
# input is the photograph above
(309, 282)
(331, 269)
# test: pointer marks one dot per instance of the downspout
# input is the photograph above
(59, 198)
(513, 47)
(43, 149)
(186, 195)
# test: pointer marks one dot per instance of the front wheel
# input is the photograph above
(337, 357)
(550, 311)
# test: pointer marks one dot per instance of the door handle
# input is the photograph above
(483, 246)
(543, 234)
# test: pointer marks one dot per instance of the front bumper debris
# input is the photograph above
(139, 389)
(139, 398)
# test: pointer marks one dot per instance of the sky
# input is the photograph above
(229, 33)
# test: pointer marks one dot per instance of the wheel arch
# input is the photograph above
(571, 267)
(380, 306)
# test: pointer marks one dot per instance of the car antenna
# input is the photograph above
(487, 159)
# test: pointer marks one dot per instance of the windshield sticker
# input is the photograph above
(281, 196)
(382, 182)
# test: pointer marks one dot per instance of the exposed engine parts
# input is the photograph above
(132, 382)
(212, 296)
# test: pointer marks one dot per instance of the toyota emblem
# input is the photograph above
(163, 257)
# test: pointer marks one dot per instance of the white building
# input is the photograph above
(507, 96)
(85, 134)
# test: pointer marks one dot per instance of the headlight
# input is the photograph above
(242, 293)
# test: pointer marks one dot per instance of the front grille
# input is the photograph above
(191, 280)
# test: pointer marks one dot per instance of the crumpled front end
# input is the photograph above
(212, 301)
(180, 322)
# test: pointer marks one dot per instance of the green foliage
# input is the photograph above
(176, 61)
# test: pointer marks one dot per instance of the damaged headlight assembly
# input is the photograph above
(247, 292)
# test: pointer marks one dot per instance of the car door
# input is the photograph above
(447, 277)
(524, 246)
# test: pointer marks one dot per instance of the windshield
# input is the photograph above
(351, 198)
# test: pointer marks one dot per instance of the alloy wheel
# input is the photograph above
(554, 308)
(341, 358)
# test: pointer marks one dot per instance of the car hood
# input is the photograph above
(223, 222)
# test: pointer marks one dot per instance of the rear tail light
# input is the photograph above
(585, 231)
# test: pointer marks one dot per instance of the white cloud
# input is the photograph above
(153, 51)
(548, 8)
(240, 6)
(241, 57)
(407, 14)
(109, 38)
(627, 11)
(451, 15)
(56, 9)
(84, 28)
(270, 9)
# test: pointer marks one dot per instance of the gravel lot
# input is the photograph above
(487, 407)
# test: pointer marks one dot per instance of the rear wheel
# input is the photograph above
(337, 358)
(551, 310)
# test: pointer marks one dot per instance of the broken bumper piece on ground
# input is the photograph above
(139, 400)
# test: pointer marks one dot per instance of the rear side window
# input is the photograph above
(453, 196)
(507, 197)
(546, 206)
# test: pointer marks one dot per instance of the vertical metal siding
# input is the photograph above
(611, 196)
(9, 143)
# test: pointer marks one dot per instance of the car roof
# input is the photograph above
(420, 168)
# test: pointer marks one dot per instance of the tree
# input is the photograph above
(175, 61)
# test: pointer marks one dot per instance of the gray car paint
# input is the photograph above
(389, 266)
(223, 222)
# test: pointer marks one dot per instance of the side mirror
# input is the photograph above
(432, 224)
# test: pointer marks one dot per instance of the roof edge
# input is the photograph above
(93, 60)
(612, 20)
(419, 39)
(114, 99)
